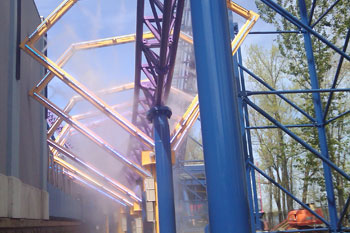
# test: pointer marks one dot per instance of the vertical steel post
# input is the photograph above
(249, 145)
(319, 118)
(251, 182)
(159, 116)
(218, 98)
(254, 209)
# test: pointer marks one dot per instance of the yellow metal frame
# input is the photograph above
(55, 69)
(90, 180)
(251, 18)
(186, 122)
(192, 112)
(56, 148)
(249, 15)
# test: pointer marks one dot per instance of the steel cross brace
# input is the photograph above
(155, 59)
(158, 53)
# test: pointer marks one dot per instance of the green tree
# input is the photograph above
(274, 146)
(291, 45)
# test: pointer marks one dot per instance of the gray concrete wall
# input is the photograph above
(22, 127)
(4, 76)
(32, 152)
(23, 149)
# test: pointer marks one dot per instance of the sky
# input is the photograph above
(105, 67)
(119, 16)
(96, 19)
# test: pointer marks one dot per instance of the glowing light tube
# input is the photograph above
(92, 136)
(70, 155)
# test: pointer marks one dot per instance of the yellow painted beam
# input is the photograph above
(49, 21)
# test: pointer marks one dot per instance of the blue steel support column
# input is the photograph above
(218, 99)
(254, 209)
(250, 148)
(250, 174)
(159, 116)
(319, 118)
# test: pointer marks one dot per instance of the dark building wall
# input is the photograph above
(23, 150)
(6, 53)
(33, 153)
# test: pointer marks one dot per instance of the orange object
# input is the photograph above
(303, 218)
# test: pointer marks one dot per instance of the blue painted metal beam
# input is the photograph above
(289, 194)
(331, 90)
(250, 153)
(296, 138)
(304, 25)
(275, 127)
(159, 116)
(260, 80)
(343, 213)
(325, 13)
(337, 117)
(336, 76)
(316, 97)
(218, 99)
(313, 5)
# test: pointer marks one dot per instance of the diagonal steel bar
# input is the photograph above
(332, 90)
(193, 177)
(173, 48)
(343, 213)
(336, 76)
(325, 13)
(70, 52)
(88, 178)
(81, 181)
(337, 117)
(92, 98)
(164, 47)
(288, 193)
(49, 21)
(296, 138)
(279, 95)
(156, 17)
(75, 158)
(88, 133)
(186, 122)
(78, 98)
(312, 11)
(280, 10)
(88, 182)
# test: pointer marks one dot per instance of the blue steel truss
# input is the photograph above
(305, 26)
(162, 66)
(321, 112)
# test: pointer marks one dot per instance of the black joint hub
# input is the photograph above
(158, 110)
